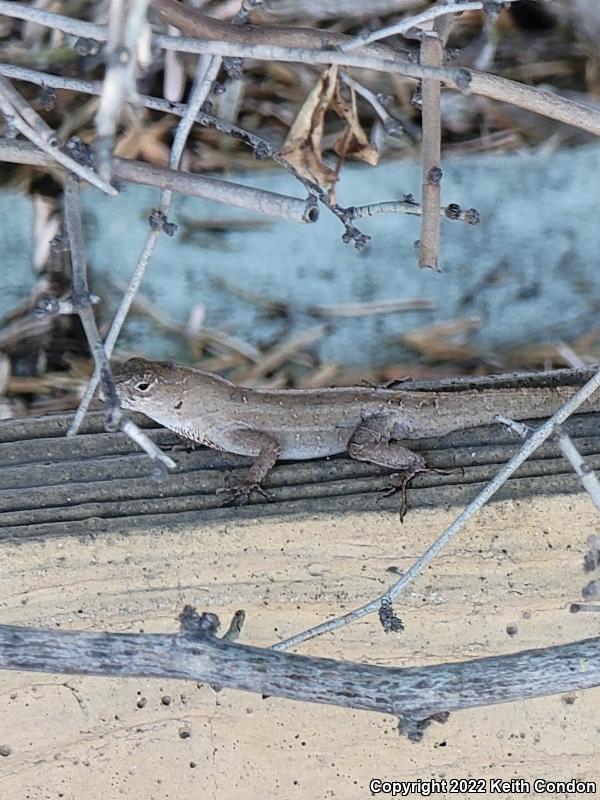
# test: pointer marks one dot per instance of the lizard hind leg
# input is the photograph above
(371, 441)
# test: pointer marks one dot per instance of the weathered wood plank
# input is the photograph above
(98, 480)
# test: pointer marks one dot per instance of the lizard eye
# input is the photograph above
(145, 383)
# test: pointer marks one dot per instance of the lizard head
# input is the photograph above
(168, 392)
(139, 381)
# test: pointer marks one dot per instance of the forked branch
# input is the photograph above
(416, 695)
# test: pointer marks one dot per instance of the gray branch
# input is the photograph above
(417, 695)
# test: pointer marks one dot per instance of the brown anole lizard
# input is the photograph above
(370, 424)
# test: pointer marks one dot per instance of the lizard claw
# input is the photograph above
(402, 481)
(240, 494)
(186, 445)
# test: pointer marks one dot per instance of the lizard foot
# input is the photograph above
(240, 494)
(186, 445)
(401, 481)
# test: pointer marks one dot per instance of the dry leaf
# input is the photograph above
(303, 145)
(146, 141)
(443, 340)
(353, 141)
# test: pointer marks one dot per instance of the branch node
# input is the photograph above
(463, 79)
(160, 471)
(200, 626)
(453, 211)
(358, 238)
(232, 633)
(80, 151)
(434, 176)
(158, 222)
(120, 56)
(591, 591)
(389, 621)
(414, 727)
(47, 98)
(234, 67)
(47, 306)
(113, 418)
(86, 46)
(261, 151)
(80, 300)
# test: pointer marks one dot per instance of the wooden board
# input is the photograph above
(98, 481)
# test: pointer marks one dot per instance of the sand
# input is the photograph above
(518, 564)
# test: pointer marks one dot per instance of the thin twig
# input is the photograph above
(126, 24)
(82, 302)
(461, 79)
(586, 474)
(392, 126)
(292, 209)
(417, 20)
(154, 103)
(432, 54)
(33, 127)
(408, 205)
(537, 438)
(145, 442)
(76, 27)
(282, 353)
(369, 308)
(81, 298)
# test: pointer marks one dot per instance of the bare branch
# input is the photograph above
(417, 695)
(127, 31)
(416, 20)
(432, 54)
(33, 127)
(76, 27)
(194, 23)
(262, 201)
(292, 209)
(82, 302)
(588, 477)
(408, 205)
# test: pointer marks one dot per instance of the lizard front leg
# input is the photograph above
(371, 441)
(266, 450)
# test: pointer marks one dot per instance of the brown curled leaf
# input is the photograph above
(303, 146)
(353, 141)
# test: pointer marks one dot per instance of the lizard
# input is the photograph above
(369, 424)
